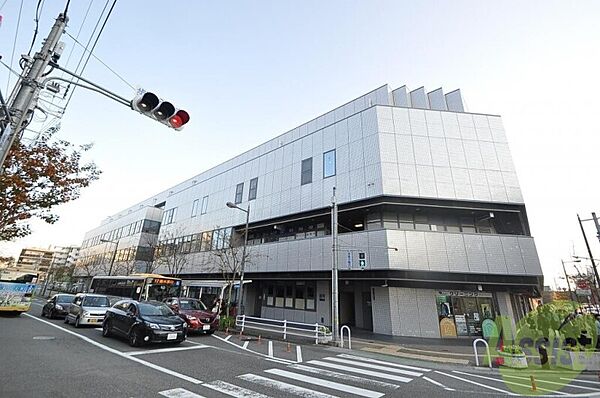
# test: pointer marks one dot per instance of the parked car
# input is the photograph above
(57, 305)
(87, 309)
(144, 322)
(195, 314)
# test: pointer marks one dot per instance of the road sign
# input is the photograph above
(349, 259)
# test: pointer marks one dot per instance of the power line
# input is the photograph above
(2, 6)
(12, 58)
(37, 23)
(102, 62)
(9, 68)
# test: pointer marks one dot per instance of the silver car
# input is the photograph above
(88, 309)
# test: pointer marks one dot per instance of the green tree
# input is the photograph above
(38, 177)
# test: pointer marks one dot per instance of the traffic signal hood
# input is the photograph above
(151, 105)
(362, 260)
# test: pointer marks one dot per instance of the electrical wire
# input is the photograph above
(93, 46)
(3, 4)
(67, 7)
(37, 24)
(12, 58)
(9, 68)
(102, 62)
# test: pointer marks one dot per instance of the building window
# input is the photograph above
(195, 207)
(169, 216)
(329, 164)
(204, 206)
(253, 188)
(306, 177)
(239, 193)
(299, 295)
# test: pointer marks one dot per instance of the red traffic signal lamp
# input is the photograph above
(151, 105)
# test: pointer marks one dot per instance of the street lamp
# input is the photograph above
(112, 260)
(242, 266)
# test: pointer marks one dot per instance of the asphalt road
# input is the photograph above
(46, 358)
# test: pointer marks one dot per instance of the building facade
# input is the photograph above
(428, 195)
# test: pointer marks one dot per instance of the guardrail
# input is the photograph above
(320, 333)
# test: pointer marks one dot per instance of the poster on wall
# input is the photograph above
(447, 328)
(461, 325)
(486, 310)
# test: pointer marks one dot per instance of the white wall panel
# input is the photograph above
(456, 252)
(473, 154)
(436, 251)
(475, 253)
(329, 138)
(494, 254)
(390, 178)
(422, 150)
(387, 148)
(504, 157)
(418, 124)
(482, 128)
(341, 133)
(401, 121)
(512, 254)
(408, 180)
(488, 153)
(371, 150)
(426, 181)
(530, 256)
(369, 122)
(456, 153)
(385, 120)
(439, 152)
(417, 250)
(357, 159)
(404, 149)
(450, 124)
(399, 257)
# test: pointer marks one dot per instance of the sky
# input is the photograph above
(247, 71)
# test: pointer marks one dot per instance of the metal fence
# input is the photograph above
(320, 333)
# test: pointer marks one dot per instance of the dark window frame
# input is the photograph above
(306, 171)
(253, 189)
(325, 163)
(239, 193)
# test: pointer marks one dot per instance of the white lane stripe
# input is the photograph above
(285, 387)
(364, 372)
(344, 376)
(233, 390)
(475, 383)
(227, 338)
(325, 383)
(254, 352)
(170, 349)
(392, 364)
(437, 383)
(298, 354)
(553, 382)
(179, 393)
(509, 382)
(121, 354)
(245, 346)
(580, 381)
(376, 367)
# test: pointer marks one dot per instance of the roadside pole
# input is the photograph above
(25, 100)
(335, 313)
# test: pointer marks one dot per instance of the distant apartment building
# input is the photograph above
(43, 261)
(428, 195)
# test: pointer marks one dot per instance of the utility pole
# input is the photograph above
(335, 304)
(590, 251)
(567, 279)
(23, 105)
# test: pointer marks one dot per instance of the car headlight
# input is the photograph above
(58, 307)
(152, 325)
(192, 318)
(85, 313)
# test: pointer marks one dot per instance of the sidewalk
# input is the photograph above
(450, 351)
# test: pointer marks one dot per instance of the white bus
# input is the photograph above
(137, 286)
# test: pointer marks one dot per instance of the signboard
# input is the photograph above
(447, 328)
(463, 293)
(461, 325)
(583, 292)
(349, 259)
(15, 296)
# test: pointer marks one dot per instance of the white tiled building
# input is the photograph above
(427, 191)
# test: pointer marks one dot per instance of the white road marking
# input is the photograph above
(97, 328)
(437, 383)
(119, 353)
(393, 364)
(580, 381)
(554, 382)
(344, 376)
(227, 338)
(475, 383)
(298, 354)
(365, 372)
(233, 390)
(277, 361)
(270, 349)
(509, 382)
(285, 387)
(373, 366)
(245, 346)
(280, 360)
(325, 383)
(170, 349)
(179, 393)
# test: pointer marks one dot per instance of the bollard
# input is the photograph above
(533, 386)
(259, 342)
(240, 336)
(289, 347)
(227, 331)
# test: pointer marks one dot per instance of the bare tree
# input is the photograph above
(149, 243)
(125, 263)
(171, 252)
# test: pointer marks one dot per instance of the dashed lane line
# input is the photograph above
(581, 381)
(171, 349)
(280, 360)
(345, 376)
(475, 383)
(119, 353)
(539, 380)
(437, 383)
(397, 365)
(365, 372)
(233, 390)
(375, 367)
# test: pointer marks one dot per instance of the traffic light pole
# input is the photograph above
(25, 100)
(335, 304)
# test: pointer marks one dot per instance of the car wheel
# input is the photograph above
(51, 314)
(77, 324)
(106, 332)
(134, 339)
(43, 312)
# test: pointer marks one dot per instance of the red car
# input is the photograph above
(194, 312)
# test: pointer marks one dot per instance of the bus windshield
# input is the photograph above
(16, 290)
(160, 292)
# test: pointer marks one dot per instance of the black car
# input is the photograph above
(144, 322)
(57, 305)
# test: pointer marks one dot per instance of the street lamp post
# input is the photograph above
(243, 264)
(112, 260)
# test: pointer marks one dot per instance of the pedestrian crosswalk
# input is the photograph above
(329, 377)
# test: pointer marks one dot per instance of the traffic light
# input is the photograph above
(149, 104)
(362, 260)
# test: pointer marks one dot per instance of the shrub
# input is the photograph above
(226, 322)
